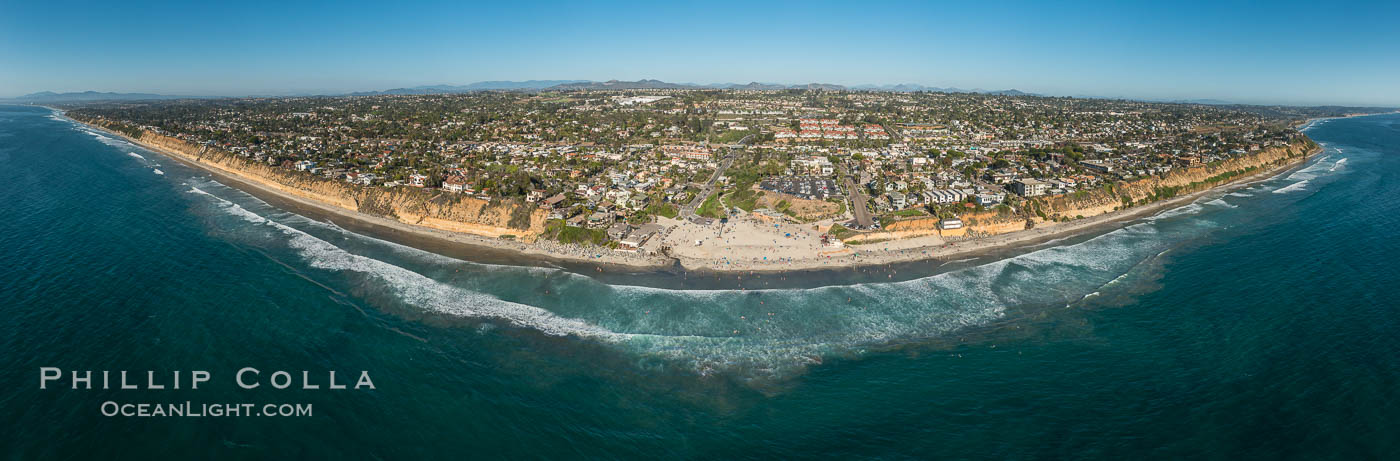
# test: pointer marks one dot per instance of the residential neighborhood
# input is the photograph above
(622, 166)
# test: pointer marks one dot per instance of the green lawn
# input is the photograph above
(711, 207)
(840, 231)
(565, 233)
(744, 197)
(668, 210)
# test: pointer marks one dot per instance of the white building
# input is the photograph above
(1029, 187)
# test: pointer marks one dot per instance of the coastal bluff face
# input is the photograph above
(1178, 182)
(1089, 203)
(431, 209)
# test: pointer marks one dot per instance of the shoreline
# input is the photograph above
(388, 226)
(1305, 124)
(1026, 238)
(547, 253)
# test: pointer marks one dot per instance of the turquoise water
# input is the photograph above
(1254, 323)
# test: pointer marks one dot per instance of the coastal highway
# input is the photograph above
(689, 209)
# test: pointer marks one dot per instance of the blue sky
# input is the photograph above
(1258, 52)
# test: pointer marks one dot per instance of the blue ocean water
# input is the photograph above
(1259, 322)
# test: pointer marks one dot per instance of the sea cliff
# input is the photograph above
(431, 209)
(1117, 196)
(519, 227)
(1180, 181)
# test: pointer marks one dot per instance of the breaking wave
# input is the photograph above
(1297, 186)
(417, 289)
(1222, 202)
(755, 333)
(1178, 211)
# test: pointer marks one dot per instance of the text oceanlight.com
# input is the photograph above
(215, 410)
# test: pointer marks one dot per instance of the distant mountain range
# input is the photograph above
(657, 84)
(49, 96)
(528, 85)
(1209, 102)
(478, 86)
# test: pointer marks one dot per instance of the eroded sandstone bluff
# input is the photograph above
(427, 208)
(1116, 196)
(1178, 182)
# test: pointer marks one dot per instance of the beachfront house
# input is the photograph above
(1029, 187)
(455, 184)
(898, 200)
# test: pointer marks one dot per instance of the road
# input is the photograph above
(688, 210)
(858, 202)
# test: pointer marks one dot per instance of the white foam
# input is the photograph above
(136, 155)
(1222, 202)
(765, 331)
(421, 291)
(1292, 187)
(704, 338)
(1310, 171)
(1184, 210)
(1337, 165)
(104, 139)
(157, 171)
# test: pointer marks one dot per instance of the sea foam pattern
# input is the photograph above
(415, 288)
(757, 333)
(761, 333)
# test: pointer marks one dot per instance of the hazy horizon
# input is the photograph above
(1286, 53)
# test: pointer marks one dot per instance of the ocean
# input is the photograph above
(1260, 322)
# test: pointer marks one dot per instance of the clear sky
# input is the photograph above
(1314, 52)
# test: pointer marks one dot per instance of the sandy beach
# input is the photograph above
(744, 244)
(738, 256)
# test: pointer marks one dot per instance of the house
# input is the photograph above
(552, 202)
(1097, 165)
(631, 243)
(688, 152)
(814, 163)
(363, 179)
(898, 200)
(950, 223)
(988, 200)
(1029, 187)
(945, 196)
(599, 220)
(637, 237)
(618, 231)
(455, 184)
(418, 180)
